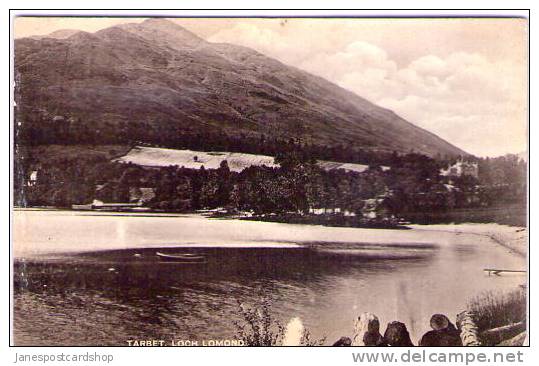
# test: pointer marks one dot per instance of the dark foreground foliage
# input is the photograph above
(494, 309)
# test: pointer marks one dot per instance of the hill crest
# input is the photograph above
(159, 73)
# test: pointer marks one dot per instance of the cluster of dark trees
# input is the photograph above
(296, 186)
(508, 169)
(412, 184)
(39, 128)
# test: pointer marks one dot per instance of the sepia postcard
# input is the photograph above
(282, 181)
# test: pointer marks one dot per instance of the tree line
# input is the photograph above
(43, 128)
(413, 184)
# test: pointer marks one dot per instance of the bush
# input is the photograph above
(259, 328)
(495, 309)
(306, 340)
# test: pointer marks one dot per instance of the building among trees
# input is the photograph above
(461, 168)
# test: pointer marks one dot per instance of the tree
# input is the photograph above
(224, 184)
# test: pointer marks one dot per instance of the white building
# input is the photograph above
(461, 168)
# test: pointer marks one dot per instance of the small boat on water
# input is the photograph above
(181, 257)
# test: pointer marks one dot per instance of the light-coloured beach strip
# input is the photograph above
(38, 232)
(513, 238)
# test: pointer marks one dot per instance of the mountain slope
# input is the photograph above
(158, 72)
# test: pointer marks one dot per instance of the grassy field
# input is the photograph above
(161, 157)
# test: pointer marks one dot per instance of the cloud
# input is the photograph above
(430, 66)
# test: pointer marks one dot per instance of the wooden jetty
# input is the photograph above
(496, 272)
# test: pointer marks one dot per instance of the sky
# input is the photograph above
(464, 79)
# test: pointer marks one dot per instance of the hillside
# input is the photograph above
(157, 75)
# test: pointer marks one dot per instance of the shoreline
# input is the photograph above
(491, 230)
(256, 232)
(513, 238)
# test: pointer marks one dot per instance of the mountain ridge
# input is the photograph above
(157, 71)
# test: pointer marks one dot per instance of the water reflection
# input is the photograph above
(131, 293)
